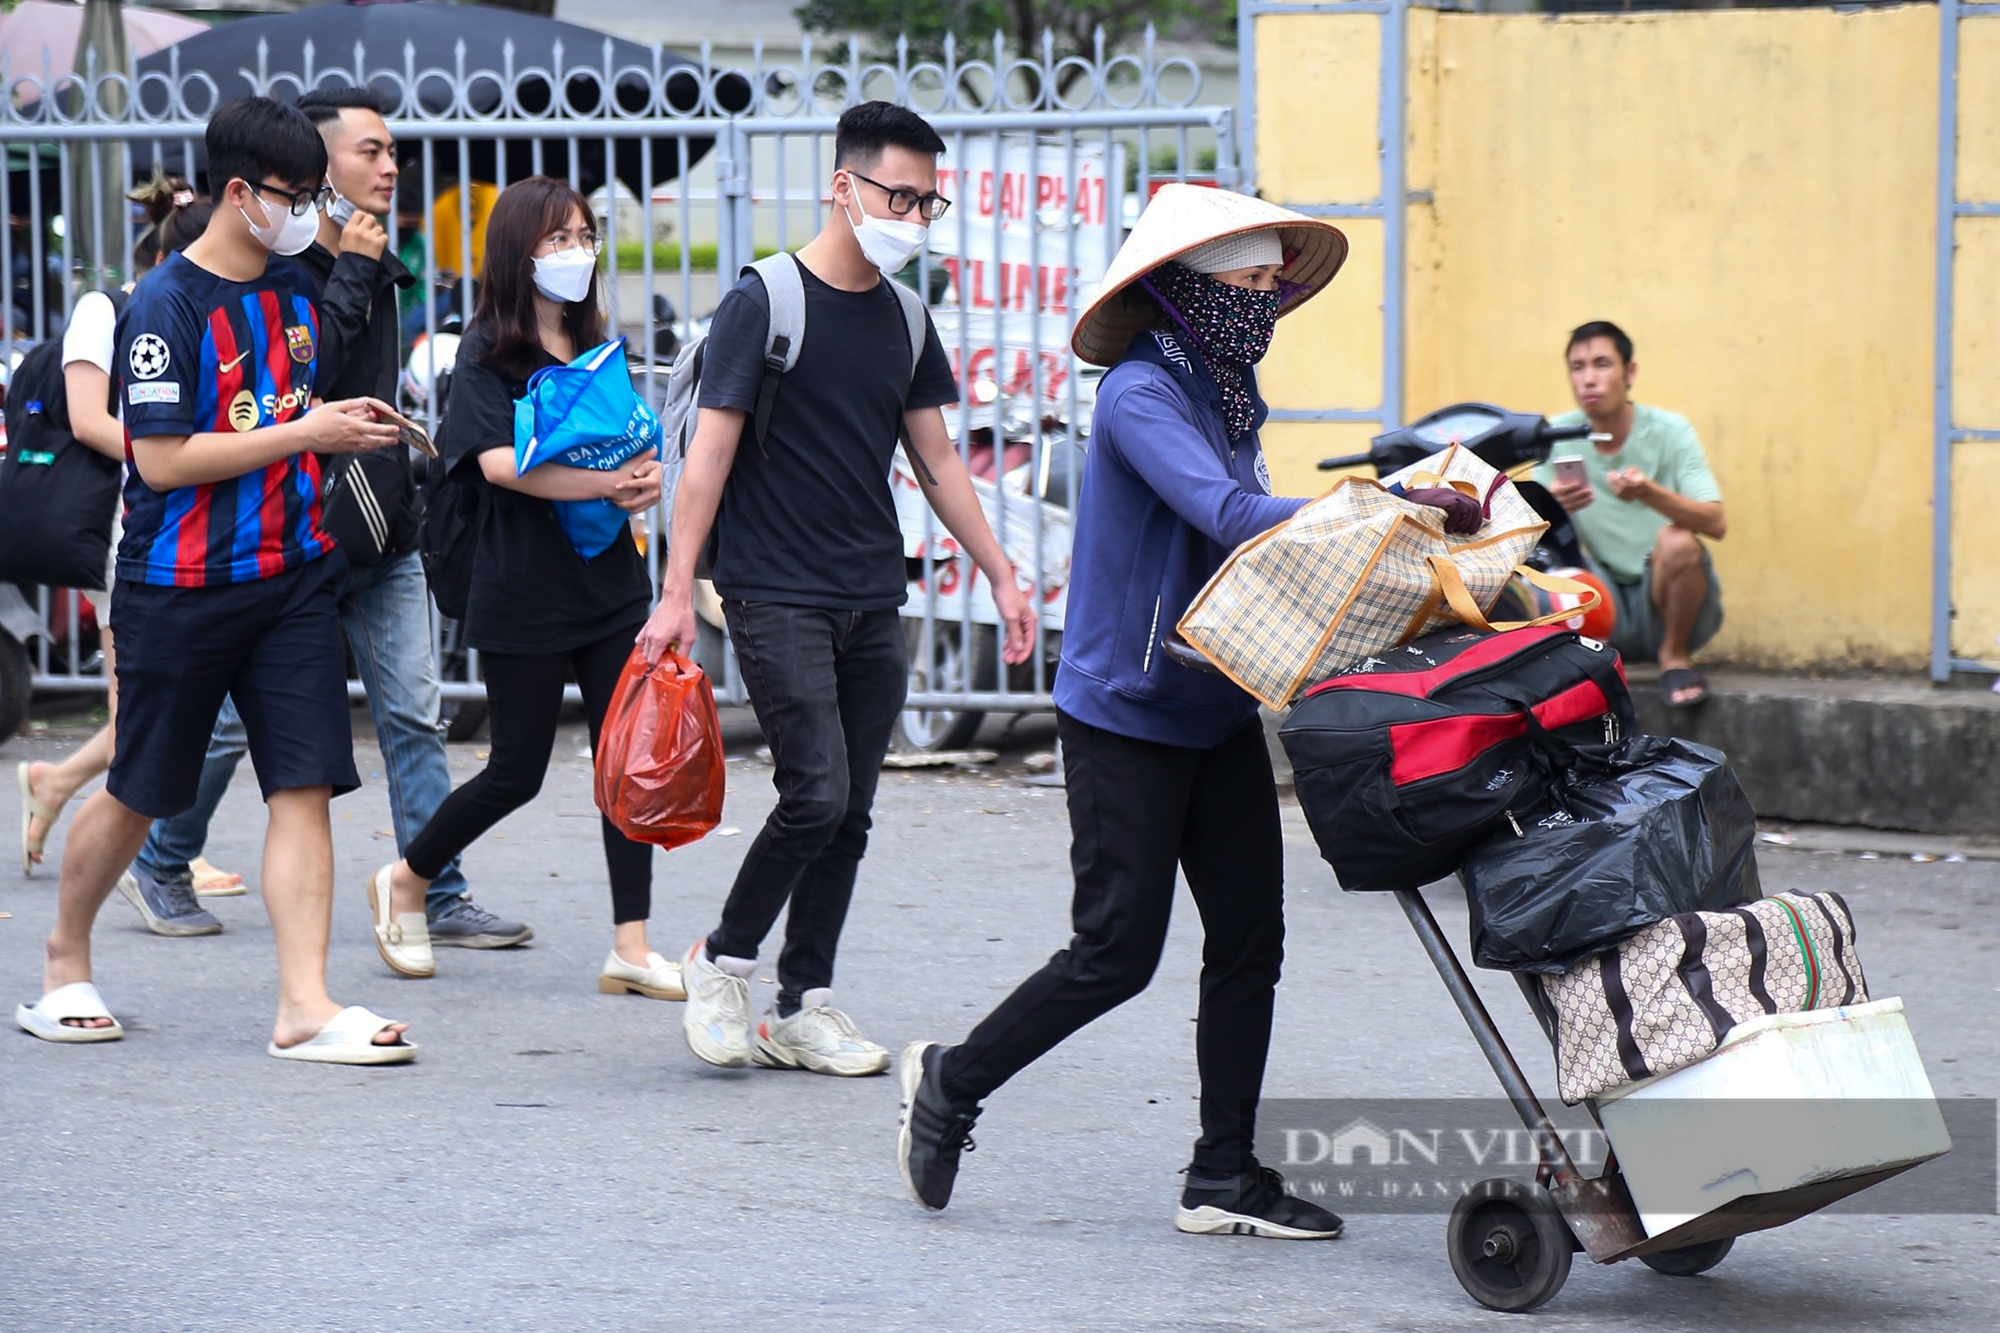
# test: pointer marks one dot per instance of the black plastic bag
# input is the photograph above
(1656, 827)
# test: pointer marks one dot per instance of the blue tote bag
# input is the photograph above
(585, 414)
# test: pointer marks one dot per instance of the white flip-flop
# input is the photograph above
(348, 1039)
(403, 941)
(44, 1018)
(32, 809)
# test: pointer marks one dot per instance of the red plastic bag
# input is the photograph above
(659, 753)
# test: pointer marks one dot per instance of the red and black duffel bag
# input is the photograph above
(1404, 761)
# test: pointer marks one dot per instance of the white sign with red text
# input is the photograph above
(1033, 227)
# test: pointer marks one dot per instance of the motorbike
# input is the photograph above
(1029, 512)
(1503, 440)
(20, 625)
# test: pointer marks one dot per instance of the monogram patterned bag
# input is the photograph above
(1361, 570)
(1665, 998)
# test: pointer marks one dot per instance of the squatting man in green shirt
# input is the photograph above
(1643, 502)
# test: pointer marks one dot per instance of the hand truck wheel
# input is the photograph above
(1509, 1245)
(1689, 1259)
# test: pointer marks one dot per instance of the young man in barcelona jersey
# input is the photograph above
(371, 510)
(230, 581)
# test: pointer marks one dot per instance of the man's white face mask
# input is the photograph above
(887, 243)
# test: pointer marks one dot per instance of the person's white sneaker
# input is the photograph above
(820, 1038)
(716, 1021)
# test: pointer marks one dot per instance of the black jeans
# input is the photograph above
(1136, 809)
(827, 686)
(524, 695)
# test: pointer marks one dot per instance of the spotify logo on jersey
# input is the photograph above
(243, 410)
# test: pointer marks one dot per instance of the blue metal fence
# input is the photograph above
(1390, 204)
(1946, 431)
(762, 187)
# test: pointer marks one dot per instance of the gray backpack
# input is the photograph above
(787, 334)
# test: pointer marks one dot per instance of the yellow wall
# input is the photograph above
(1323, 66)
(1750, 193)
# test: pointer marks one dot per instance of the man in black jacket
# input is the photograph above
(371, 507)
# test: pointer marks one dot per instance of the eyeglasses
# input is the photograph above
(557, 243)
(904, 202)
(302, 202)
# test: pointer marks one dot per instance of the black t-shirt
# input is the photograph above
(809, 518)
(531, 591)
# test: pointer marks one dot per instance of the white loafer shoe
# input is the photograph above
(660, 979)
(403, 941)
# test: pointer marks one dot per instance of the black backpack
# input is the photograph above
(1404, 761)
(448, 535)
(57, 494)
(454, 511)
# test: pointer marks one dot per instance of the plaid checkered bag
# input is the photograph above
(1665, 998)
(1357, 571)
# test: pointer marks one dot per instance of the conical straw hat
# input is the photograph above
(1180, 218)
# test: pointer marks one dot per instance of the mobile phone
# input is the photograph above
(1569, 470)
(411, 434)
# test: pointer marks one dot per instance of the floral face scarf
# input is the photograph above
(1230, 326)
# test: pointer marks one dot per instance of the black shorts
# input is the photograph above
(274, 645)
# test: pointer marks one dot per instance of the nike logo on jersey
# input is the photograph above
(226, 366)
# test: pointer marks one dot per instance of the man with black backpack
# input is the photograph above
(809, 562)
(372, 510)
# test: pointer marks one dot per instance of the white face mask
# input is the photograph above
(292, 233)
(887, 243)
(340, 208)
(565, 277)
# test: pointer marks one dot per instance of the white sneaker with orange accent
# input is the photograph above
(819, 1038)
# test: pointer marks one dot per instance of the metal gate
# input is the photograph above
(1049, 160)
(1946, 432)
(1390, 204)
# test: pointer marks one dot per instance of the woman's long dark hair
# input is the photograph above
(526, 212)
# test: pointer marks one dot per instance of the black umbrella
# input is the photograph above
(412, 37)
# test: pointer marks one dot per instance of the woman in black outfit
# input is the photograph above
(537, 610)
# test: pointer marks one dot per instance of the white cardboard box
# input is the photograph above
(1786, 1100)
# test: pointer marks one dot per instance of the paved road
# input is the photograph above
(557, 1159)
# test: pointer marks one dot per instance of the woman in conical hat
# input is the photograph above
(1166, 767)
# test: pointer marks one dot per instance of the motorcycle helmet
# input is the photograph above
(431, 360)
(1596, 623)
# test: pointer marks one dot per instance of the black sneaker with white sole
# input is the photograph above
(1252, 1204)
(467, 925)
(935, 1130)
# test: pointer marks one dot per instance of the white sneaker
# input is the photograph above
(820, 1038)
(716, 1021)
